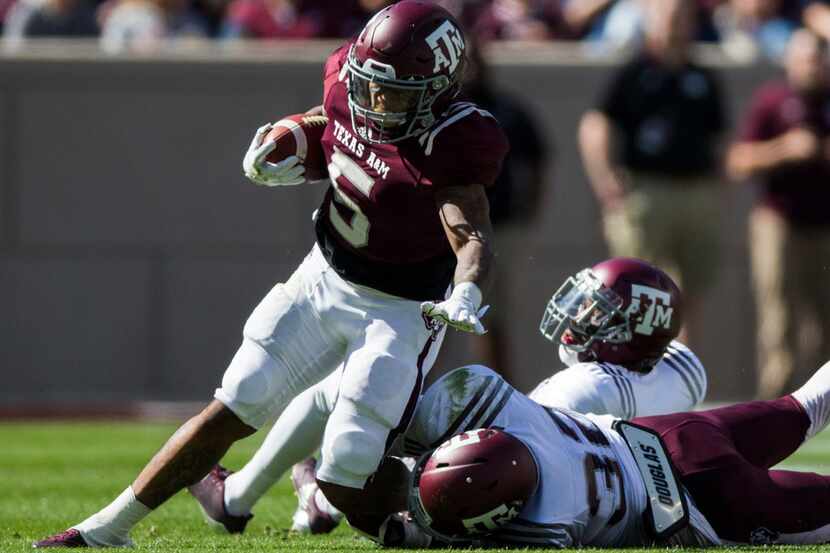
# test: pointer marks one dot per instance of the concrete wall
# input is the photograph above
(132, 248)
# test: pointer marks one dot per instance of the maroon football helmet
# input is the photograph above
(404, 68)
(472, 484)
(623, 311)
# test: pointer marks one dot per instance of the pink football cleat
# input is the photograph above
(67, 538)
(210, 493)
(308, 518)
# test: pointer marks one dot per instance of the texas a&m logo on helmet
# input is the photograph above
(447, 45)
(623, 311)
(650, 308)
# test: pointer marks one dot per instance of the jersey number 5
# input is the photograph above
(354, 228)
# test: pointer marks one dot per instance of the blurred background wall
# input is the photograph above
(132, 248)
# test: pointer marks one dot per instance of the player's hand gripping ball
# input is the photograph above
(288, 152)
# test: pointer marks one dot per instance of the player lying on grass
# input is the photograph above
(543, 476)
(632, 367)
(404, 220)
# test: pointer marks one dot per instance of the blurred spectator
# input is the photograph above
(143, 25)
(50, 18)
(5, 6)
(520, 20)
(465, 11)
(749, 28)
(784, 143)
(584, 17)
(816, 17)
(296, 18)
(650, 152)
(16, 19)
(611, 26)
(515, 201)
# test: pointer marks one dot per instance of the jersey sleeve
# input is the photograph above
(334, 65)
(756, 123)
(467, 146)
(581, 389)
(463, 399)
(692, 378)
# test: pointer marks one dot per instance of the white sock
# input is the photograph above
(295, 436)
(814, 396)
(324, 505)
(110, 527)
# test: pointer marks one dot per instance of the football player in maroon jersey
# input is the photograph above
(402, 251)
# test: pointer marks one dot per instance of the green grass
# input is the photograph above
(53, 475)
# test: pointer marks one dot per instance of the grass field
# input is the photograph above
(53, 475)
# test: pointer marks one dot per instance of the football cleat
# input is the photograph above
(210, 493)
(67, 538)
(309, 518)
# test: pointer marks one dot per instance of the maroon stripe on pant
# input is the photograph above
(406, 418)
(723, 458)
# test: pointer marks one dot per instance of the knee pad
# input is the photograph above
(248, 385)
(353, 445)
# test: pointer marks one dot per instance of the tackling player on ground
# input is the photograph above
(634, 367)
(513, 472)
(404, 220)
(627, 371)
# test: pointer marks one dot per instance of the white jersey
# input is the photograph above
(676, 383)
(590, 491)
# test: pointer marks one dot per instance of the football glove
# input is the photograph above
(400, 530)
(461, 310)
(288, 172)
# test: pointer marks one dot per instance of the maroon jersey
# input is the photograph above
(378, 224)
(798, 191)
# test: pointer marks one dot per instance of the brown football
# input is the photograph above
(299, 135)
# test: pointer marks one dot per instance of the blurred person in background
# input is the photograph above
(753, 28)
(515, 201)
(297, 19)
(816, 17)
(611, 25)
(5, 7)
(144, 25)
(650, 150)
(520, 20)
(465, 11)
(607, 26)
(784, 146)
(50, 18)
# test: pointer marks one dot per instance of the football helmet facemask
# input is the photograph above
(622, 311)
(404, 69)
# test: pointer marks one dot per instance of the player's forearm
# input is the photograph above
(475, 260)
(465, 214)
(747, 159)
(595, 146)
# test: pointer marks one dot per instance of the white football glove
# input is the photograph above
(461, 310)
(288, 172)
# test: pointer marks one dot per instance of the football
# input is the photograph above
(299, 135)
